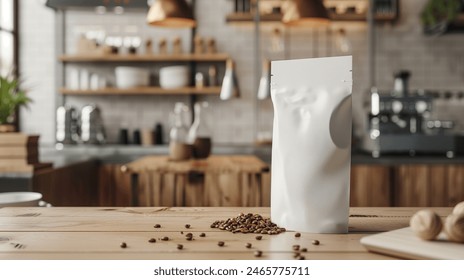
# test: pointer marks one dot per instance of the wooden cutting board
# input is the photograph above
(404, 244)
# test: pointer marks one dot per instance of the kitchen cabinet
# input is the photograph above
(407, 185)
(171, 188)
(370, 186)
(72, 185)
(428, 185)
(114, 186)
(387, 181)
(215, 181)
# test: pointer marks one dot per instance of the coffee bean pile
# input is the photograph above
(248, 223)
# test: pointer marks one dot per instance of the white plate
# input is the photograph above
(20, 199)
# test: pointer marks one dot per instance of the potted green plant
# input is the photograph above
(11, 98)
(439, 14)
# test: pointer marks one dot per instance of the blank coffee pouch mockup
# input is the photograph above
(311, 150)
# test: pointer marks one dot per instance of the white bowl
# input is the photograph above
(128, 77)
(174, 77)
(20, 199)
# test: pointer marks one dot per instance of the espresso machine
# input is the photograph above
(399, 122)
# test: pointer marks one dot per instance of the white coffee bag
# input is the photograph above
(311, 151)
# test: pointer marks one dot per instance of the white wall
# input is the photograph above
(436, 63)
(37, 66)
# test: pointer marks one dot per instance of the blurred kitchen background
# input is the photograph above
(76, 58)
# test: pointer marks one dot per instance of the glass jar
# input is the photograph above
(199, 135)
(179, 148)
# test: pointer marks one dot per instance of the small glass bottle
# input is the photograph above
(179, 149)
(200, 134)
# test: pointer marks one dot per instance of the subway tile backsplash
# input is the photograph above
(435, 63)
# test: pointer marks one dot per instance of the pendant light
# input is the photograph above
(304, 13)
(230, 88)
(171, 13)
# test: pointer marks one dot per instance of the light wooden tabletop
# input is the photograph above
(214, 163)
(96, 233)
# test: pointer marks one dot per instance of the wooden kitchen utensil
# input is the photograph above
(211, 46)
(198, 47)
(177, 46)
(148, 46)
(163, 46)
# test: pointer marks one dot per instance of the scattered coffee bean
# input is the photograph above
(296, 247)
(301, 258)
(221, 243)
(165, 238)
(152, 240)
(123, 245)
(202, 234)
(189, 238)
(187, 226)
(248, 223)
(259, 237)
(297, 234)
(248, 245)
(157, 226)
(181, 232)
(304, 250)
(189, 234)
(316, 242)
(258, 253)
(180, 246)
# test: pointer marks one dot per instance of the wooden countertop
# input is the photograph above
(96, 233)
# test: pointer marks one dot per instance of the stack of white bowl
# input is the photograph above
(174, 77)
(129, 77)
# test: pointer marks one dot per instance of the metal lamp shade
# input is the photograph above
(230, 88)
(171, 13)
(304, 13)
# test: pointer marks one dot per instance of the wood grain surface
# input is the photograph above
(219, 57)
(96, 233)
(226, 181)
(214, 163)
(404, 243)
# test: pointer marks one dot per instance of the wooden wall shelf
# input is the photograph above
(248, 17)
(218, 57)
(145, 91)
(277, 18)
